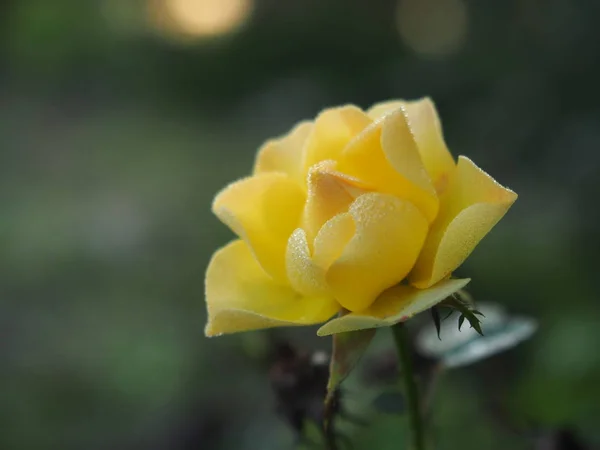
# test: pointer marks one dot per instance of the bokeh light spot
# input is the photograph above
(432, 28)
(200, 18)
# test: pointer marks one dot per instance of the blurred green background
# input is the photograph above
(120, 119)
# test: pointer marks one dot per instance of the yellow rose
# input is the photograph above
(364, 213)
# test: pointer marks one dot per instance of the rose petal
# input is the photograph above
(329, 193)
(306, 271)
(425, 126)
(240, 296)
(333, 129)
(263, 210)
(304, 275)
(396, 304)
(379, 110)
(389, 235)
(285, 154)
(386, 157)
(401, 150)
(471, 207)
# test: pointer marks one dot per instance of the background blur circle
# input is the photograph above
(432, 28)
(199, 18)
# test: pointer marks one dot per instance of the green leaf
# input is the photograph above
(465, 307)
(460, 348)
(475, 323)
(347, 349)
(449, 314)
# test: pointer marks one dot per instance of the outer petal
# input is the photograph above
(474, 203)
(285, 154)
(425, 126)
(386, 156)
(388, 238)
(329, 193)
(397, 304)
(263, 210)
(333, 129)
(240, 296)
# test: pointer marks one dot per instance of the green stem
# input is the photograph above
(328, 427)
(410, 387)
(330, 439)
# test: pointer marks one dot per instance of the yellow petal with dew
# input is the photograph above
(332, 239)
(401, 150)
(263, 210)
(306, 269)
(397, 304)
(379, 110)
(386, 157)
(329, 193)
(472, 205)
(240, 296)
(389, 235)
(332, 131)
(285, 154)
(425, 125)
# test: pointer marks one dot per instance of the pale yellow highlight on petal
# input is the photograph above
(473, 204)
(397, 304)
(389, 235)
(329, 193)
(240, 296)
(285, 154)
(332, 239)
(306, 271)
(386, 157)
(263, 210)
(304, 275)
(333, 129)
(401, 150)
(425, 125)
(379, 110)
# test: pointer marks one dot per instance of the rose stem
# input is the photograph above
(410, 387)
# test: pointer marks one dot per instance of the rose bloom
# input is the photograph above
(361, 213)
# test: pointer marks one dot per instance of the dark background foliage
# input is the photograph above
(116, 132)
